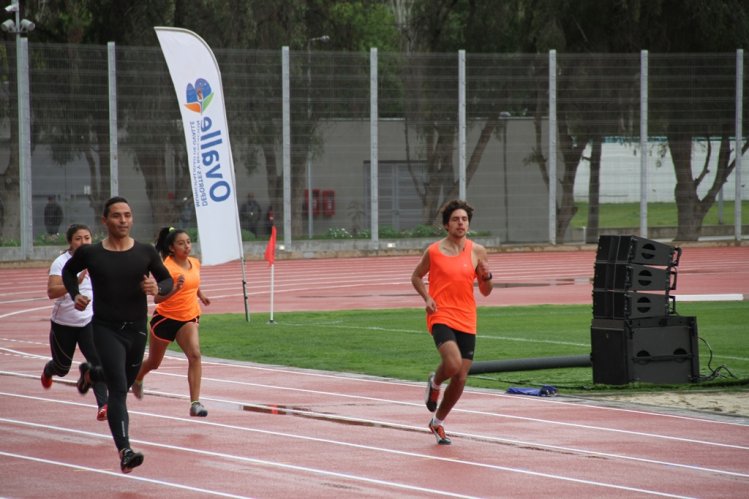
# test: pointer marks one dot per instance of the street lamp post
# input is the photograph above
(323, 38)
(24, 127)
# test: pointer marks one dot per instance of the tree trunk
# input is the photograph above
(685, 191)
(10, 195)
(163, 210)
(275, 182)
(594, 191)
(571, 153)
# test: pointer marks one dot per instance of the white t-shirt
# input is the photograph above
(63, 311)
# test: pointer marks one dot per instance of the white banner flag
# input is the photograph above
(197, 81)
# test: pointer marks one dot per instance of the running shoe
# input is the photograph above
(198, 409)
(137, 389)
(83, 385)
(46, 379)
(439, 433)
(130, 459)
(432, 394)
(101, 414)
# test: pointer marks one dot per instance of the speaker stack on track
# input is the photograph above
(635, 333)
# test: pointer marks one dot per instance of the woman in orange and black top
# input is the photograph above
(177, 315)
(453, 263)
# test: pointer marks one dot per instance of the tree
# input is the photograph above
(661, 26)
(705, 113)
(431, 106)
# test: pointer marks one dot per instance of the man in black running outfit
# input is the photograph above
(119, 267)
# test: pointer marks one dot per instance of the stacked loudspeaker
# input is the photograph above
(635, 334)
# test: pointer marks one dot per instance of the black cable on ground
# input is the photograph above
(714, 373)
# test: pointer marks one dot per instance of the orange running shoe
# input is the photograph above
(439, 433)
(101, 415)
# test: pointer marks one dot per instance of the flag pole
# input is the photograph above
(270, 257)
(272, 286)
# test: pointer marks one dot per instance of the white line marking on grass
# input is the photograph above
(715, 297)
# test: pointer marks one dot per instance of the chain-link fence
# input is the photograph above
(447, 125)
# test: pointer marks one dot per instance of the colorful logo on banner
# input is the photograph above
(199, 96)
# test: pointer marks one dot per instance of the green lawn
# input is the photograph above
(659, 215)
(394, 343)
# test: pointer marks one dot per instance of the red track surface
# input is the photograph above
(278, 432)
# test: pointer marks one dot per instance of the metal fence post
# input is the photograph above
(553, 146)
(24, 147)
(462, 124)
(286, 111)
(373, 149)
(114, 174)
(739, 141)
(643, 143)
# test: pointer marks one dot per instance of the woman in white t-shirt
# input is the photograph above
(71, 327)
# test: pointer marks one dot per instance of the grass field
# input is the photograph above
(622, 215)
(395, 344)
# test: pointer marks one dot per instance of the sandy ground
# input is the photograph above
(725, 403)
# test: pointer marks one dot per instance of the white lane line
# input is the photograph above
(396, 426)
(349, 476)
(26, 310)
(234, 457)
(119, 475)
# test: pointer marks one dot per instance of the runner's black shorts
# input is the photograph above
(466, 341)
(165, 328)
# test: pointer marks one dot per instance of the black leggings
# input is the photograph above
(120, 346)
(62, 342)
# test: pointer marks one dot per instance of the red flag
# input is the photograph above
(270, 250)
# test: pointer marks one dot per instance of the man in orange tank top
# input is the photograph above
(453, 263)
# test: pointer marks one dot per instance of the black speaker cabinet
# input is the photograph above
(631, 305)
(633, 249)
(652, 350)
(632, 276)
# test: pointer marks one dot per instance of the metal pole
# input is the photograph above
(374, 181)
(24, 144)
(114, 185)
(644, 143)
(553, 146)
(309, 140)
(286, 113)
(462, 124)
(739, 139)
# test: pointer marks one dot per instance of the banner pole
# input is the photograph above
(244, 292)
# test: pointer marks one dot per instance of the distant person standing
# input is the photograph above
(269, 220)
(52, 216)
(177, 315)
(68, 325)
(185, 213)
(119, 267)
(453, 264)
(250, 214)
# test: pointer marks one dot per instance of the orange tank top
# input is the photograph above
(451, 286)
(183, 305)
